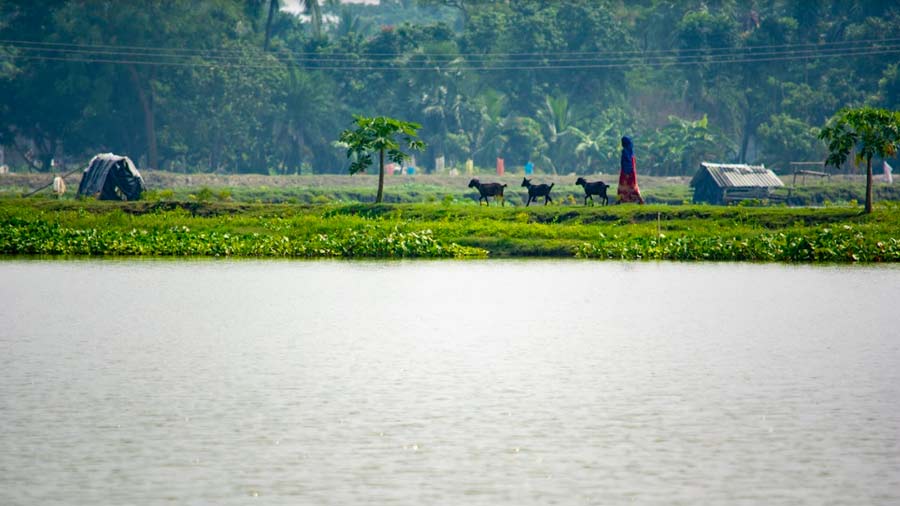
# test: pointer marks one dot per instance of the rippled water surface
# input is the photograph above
(448, 383)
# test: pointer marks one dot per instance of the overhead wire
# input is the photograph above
(461, 68)
(557, 53)
(137, 55)
(312, 58)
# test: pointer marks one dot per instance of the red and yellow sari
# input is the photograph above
(628, 190)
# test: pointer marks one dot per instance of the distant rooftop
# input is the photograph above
(738, 175)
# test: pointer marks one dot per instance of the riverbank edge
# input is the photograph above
(679, 233)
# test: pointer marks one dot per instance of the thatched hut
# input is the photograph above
(722, 183)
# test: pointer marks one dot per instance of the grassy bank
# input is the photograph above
(441, 230)
(343, 189)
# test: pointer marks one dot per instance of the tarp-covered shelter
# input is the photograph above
(111, 177)
(721, 183)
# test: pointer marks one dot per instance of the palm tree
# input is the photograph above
(348, 23)
(681, 144)
(556, 118)
(310, 114)
(439, 107)
(311, 7)
(493, 121)
(595, 146)
(273, 6)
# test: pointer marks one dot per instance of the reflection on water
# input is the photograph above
(451, 383)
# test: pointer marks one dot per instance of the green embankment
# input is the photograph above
(343, 189)
(437, 230)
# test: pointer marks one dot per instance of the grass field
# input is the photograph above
(447, 228)
(343, 189)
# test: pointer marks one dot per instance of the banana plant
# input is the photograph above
(556, 118)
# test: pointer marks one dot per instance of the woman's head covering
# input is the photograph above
(627, 164)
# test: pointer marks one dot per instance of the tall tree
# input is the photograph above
(380, 134)
(311, 7)
(871, 132)
(556, 119)
(273, 6)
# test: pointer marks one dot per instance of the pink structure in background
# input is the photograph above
(500, 167)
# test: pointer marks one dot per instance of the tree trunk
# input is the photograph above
(149, 120)
(46, 148)
(47, 161)
(24, 154)
(273, 5)
(745, 138)
(215, 155)
(380, 193)
(868, 184)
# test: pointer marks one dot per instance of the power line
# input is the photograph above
(893, 50)
(737, 52)
(553, 54)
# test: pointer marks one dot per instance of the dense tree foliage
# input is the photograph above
(240, 86)
(868, 131)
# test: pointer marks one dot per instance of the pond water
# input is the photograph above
(448, 383)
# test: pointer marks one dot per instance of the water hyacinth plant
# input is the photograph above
(440, 230)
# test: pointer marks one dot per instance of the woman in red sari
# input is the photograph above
(628, 186)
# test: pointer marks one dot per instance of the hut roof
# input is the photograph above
(124, 176)
(738, 175)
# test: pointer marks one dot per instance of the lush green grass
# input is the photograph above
(343, 189)
(45, 226)
(333, 189)
(837, 192)
(95, 228)
(407, 194)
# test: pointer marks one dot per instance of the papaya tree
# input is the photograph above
(379, 134)
(870, 131)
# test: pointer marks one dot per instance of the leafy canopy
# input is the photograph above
(379, 134)
(872, 132)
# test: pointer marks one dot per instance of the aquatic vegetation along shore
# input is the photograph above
(838, 234)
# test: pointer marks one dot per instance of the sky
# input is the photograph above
(293, 6)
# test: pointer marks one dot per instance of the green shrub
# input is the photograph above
(158, 195)
(202, 195)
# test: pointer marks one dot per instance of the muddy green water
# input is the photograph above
(448, 383)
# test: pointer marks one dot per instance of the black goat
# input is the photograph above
(537, 190)
(488, 190)
(597, 188)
